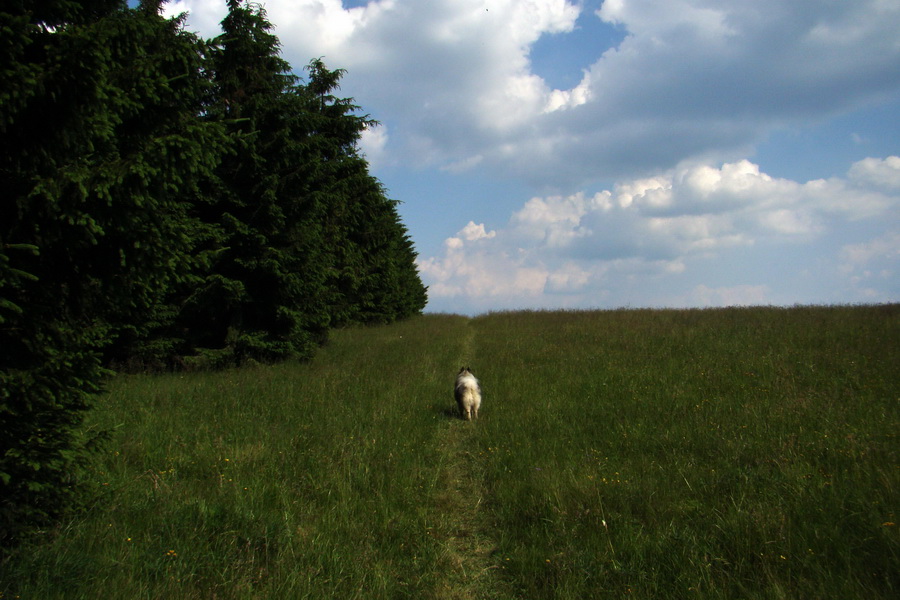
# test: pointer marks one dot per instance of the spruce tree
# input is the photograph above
(264, 297)
(101, 152)
(372, 274)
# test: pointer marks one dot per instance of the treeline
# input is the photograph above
(168, 202)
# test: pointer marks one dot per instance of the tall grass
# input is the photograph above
(721, 454)
(731, 453)
(285, 481)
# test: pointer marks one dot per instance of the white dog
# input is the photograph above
(468, 394)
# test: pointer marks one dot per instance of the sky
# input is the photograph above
(624, 153)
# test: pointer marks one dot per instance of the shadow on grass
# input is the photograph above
(448, 411)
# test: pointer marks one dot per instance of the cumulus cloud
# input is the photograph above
(204, 16)
(593, 249)
(472, 268)
(453, 78)
(373, 143)
(880, 173)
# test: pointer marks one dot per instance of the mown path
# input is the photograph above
(460, 492)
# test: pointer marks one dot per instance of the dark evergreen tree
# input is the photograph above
(372, 274)
(100, 151)
(305, 238)
(373, 278)
(265, 296)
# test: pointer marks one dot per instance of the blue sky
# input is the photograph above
(608, 153)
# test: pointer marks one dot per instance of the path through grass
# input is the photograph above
(461, 492)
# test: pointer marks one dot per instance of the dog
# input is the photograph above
(468, 394)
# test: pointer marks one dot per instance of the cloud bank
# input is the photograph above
(662, 239)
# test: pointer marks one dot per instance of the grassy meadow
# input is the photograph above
(733, 453)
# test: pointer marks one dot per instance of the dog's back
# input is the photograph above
(468, 394)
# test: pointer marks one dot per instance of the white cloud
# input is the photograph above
(563, 99)
(471, 270)
(873, 255)
(555, 221)
(884, 174)
(590, 250)
(203, 15)
(473, 232)
(692, 78)
(659, 17)
(570, 277)
(372, 143)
